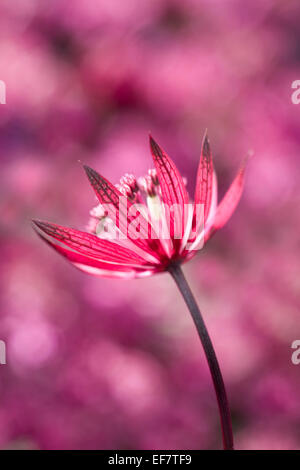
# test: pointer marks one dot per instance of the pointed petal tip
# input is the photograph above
(37, 223)
(92, 175)
(155, 148)
(40, 222)
(151, 141)
(43, 226)
(206, 144)
(34, 224)
(205, 135)
(40, 227)
(87, 169)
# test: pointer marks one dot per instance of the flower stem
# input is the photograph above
(178, 276)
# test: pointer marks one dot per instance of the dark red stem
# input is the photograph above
(177, 274)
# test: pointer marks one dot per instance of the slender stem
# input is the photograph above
(178, 276)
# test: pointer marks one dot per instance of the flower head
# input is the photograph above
(142, 227)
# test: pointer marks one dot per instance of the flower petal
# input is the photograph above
(99, 267)
(122, 212)
(173, 189)
(203, 200)
(204, 183)
(88, 244)
(113, 274)
(230, 201)
(197, 236)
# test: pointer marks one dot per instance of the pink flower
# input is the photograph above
(142, 227)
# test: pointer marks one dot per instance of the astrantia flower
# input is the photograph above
(148, 226)
(142, 227)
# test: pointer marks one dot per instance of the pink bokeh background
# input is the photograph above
(108, 364)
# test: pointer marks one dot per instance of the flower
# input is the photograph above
(142, 227)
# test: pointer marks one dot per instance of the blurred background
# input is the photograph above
(109, 364)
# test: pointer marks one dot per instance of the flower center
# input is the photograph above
(144, 191)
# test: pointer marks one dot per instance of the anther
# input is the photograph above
(153, 175)
(128, 186)
(146, 184)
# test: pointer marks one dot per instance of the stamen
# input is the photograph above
(153, 175)
(91, 226)
(97, 214)
(122, 189)
(128, 186)
(129, 180)
(146, 184)
(154, 206)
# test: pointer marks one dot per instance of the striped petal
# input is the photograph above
(204, 183)
(98, 267)
(122, 212)
(173, 190)
(197, 236)
(205, 187)
(88, 244)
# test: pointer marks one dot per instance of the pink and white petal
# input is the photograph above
(174, 193)
(88, 244)
(101, 268)
(213, 203)
(188, 228)
(126, 275)
(200, 228)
